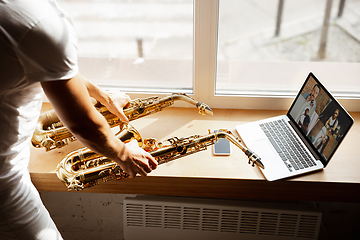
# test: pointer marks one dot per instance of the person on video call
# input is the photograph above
(38, 53)
(311, 96)
(321, 145)
(330, 127)
(332, 123)
(304, 120)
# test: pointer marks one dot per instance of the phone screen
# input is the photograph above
(222, 147)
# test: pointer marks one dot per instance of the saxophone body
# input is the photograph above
(83, 168)
(50, 133)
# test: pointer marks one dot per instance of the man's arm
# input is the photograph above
(71, 101)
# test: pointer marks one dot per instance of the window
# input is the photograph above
(139, 45)
(267, 48)
(226, 53)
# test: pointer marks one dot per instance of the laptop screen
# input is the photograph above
(321, 119)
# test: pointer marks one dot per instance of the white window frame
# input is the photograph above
(206, 15)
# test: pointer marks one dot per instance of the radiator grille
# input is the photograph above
(210, 219)
(134, 215)
(172, 217)
(191, 218)
(153, 216)
(215, 219)
(249, 222)
(268, 223)
(288, 225)
(229, 220)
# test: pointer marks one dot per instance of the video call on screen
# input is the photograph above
(320, 118)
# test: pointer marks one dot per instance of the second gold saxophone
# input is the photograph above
(83, 168)
(50, 133)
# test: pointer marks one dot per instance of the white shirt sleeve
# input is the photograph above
(48, 51)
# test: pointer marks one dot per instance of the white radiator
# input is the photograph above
(155, 217)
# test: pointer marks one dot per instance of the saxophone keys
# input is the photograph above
(47, 143)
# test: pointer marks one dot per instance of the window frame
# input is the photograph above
(206, 18)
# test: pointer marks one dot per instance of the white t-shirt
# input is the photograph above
(37, 43)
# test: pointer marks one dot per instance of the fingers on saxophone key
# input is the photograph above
(153, 164)
(142, 168)
(152, 161)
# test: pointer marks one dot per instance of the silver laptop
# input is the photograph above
(304, 139)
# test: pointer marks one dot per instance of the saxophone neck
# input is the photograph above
(142, 107)
(202, 107)
(185, 146)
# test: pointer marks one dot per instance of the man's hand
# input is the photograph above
(114, 101)
(117, 102)
(136, 160)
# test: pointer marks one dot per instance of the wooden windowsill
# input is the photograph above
(204, 175)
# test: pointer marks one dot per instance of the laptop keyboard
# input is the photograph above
(287, 145)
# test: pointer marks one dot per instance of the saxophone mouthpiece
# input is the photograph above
(204, 108)
(259, 163)
(254, 159)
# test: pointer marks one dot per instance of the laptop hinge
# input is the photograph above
(303, 139)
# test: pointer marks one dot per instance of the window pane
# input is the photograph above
(254, 56)
(135, 44)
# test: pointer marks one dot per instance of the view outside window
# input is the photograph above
(137, 45)
(254, 36)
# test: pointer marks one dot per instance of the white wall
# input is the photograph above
(80, 215)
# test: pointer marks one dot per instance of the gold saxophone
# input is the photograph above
(50, 133)
(83, 168)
